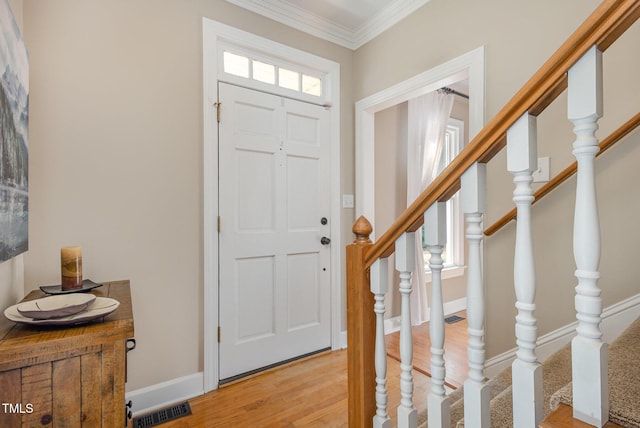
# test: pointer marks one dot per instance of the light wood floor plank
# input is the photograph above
(313, 392)
(310, 393)
(455, 350)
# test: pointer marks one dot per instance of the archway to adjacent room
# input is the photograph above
(469, 69)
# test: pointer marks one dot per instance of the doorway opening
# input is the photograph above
(464, 74)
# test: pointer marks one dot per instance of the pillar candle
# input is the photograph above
(71, 267)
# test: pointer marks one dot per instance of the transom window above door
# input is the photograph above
(264, 72)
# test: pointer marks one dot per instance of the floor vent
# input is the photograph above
(161, 416)
(452, 319)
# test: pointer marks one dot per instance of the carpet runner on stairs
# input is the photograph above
(624, 385)
(624, 379)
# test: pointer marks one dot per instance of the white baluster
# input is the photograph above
(590, 383)
(476, 391)
(379, 287)
(405, 263)
(435, 236)
(526, 370)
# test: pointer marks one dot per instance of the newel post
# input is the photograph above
(361, 322)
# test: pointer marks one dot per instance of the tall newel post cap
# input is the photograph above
(362, 229)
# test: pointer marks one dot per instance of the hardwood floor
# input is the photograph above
(455, 350)
(309, 393)
(313, 392)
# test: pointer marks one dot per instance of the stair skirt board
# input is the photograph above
(615, 319)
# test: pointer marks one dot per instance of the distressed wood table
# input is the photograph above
(68, 376)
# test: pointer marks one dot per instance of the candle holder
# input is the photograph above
(71, 268)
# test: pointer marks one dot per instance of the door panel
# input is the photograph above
(254, 287)
(274, 189)
(303, 291)
(302, 193)
(256, 193)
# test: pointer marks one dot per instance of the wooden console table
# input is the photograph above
(68, 376)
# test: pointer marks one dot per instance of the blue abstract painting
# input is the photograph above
(14, 147)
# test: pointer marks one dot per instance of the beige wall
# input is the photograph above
(518, 38)
(116, 156)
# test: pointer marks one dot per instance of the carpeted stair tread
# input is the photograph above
(498, 384)
(624, 385)
(556, 372)
(456, 398)
(624, 379)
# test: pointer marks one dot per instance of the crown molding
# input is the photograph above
(293, 16)
(386, 18)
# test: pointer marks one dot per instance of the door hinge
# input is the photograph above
(217, 105)
(218, 224)
(218, 334)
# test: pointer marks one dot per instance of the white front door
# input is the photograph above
(274, 179)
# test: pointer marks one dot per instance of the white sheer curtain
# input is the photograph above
(427, 116)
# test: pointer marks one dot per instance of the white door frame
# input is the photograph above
(468, 66)
(213, 34)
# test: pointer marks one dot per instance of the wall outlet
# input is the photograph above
(541, 175)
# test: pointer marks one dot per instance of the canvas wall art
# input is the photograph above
(14, 148)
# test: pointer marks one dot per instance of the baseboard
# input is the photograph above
(391, 325)
(455, 306)
(615, 319)
(163, 394)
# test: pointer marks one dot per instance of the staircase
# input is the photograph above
(518, 398)
(624, 385)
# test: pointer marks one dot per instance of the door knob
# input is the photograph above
(325, 241)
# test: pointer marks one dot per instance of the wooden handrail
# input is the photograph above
(605, 144)
(610, 20)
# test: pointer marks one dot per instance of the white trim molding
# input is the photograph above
(215, 35)
(294, 16)
(394, 12)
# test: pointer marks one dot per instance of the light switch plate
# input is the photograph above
(347, 201)
(541, 175)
